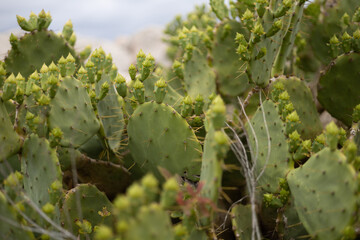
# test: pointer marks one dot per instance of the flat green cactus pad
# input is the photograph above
(230, 71)
(277, 164)
(111, 114)
(325, 192)
(160, 137)
(199, 78)
(339, 87)
(84, 202)
(242, 221)
(40, 167)
(10, 142)
(35, 49)
(302, 100)
(72, 112)
(151, 223)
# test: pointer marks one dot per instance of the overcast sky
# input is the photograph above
(98, 18)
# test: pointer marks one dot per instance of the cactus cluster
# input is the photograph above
(170, 152)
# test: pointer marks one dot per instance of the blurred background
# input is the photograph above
(121, 27)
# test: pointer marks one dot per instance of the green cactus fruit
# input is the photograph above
(275, 28)
(199, 105)
(103, 232)
(120, 85)
(178, 68)
(316, 190)
(186, 107)
(318, 144)
(139, 91)
(90, 69)
(303, 151)
(170, 143)
(9, 88)
(83, 203)
(78, 121)
(346, 42)
(10, 142)
(70, 65)
(230, 71)
(44, 20)
(67, 30)
(169, 194)
(275, 165)
(160, 90)
(217, 113)
(335, 46)
(292, 121)
(40, 167)
(294, 141)
(332, 135)
(340, 99)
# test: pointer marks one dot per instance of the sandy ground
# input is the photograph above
(123, 49)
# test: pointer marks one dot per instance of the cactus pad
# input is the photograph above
(10, 142)
(339, 87)
(277, 164)
(302, 100)
(230, 71)
(40, 167)
(35, 49)
(159, 136)
(325, 203)
(72, 112)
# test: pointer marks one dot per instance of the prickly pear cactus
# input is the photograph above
(39, 46)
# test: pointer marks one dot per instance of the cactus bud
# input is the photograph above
(169, 193)
(303, 151)
(332, 135)
(275, 28)
(132, 72)
(72, 39)
(14, 41)
(70, 65)
(9, 89)
(122, 203)
(258, 32)
(346, 42)
(90, 68)
(104, 90)
(140, 58)
(67, 30)
(199, 105)
(103, 233)
(292, 121)
(120, 85)
(85, 53)
(345, 20)
(139, 91)
(248, 19)
(178, 69)
(160, 90)
(186, 107)
(334, 46)
(48, 208)
(356, 16)
(294, 141)
(240, 39)
(24, 24)
(285, 6)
